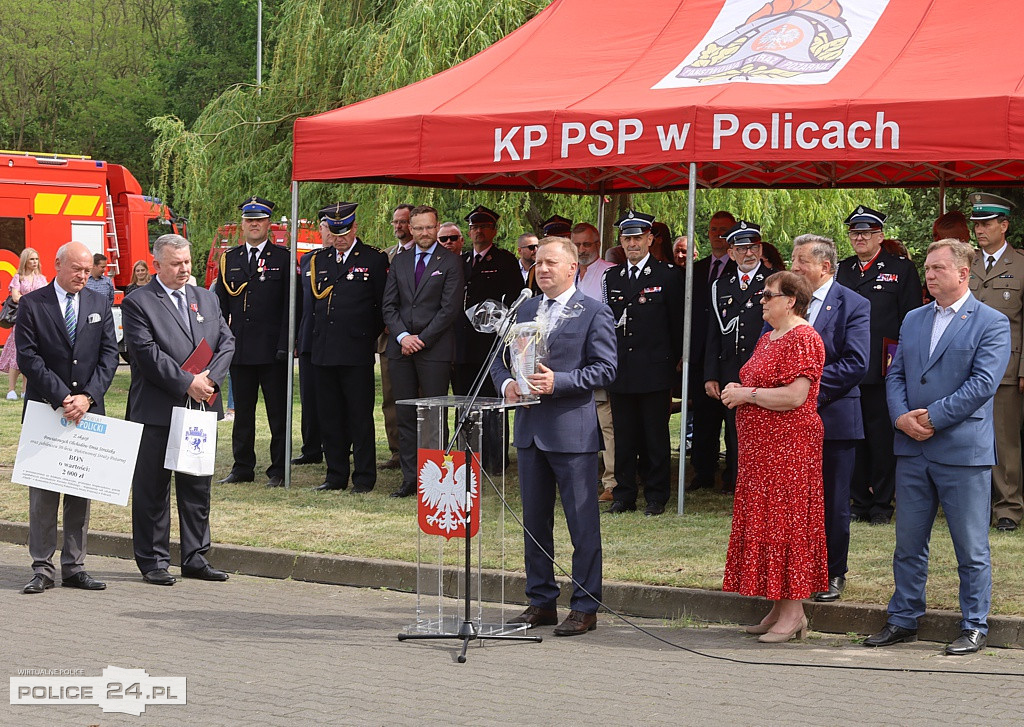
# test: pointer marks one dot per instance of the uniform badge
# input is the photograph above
(1006, 295)
(350, 276)
(642, 299)
(750, 304)
(199, 318)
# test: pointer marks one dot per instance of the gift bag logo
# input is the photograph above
(195, 437)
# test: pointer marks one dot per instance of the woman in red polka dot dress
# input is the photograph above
(777, 545)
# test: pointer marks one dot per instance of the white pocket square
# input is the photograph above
(94, 318)
(436, 272)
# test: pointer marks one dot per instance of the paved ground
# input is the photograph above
(257, 651)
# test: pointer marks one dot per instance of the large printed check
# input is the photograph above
(95, 459)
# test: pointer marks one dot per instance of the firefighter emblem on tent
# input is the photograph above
(781, 41)
(441, 493)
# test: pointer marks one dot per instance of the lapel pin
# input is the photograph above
(828, 307)
(199, 318)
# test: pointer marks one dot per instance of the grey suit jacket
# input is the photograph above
(54, 368)
(429, 310)
(581, 352)
(159, 343)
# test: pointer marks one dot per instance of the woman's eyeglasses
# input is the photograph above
(768, 295)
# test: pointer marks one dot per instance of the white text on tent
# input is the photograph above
(782, 133)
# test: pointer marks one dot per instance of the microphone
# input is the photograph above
(524, 296)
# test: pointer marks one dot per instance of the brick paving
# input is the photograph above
(258, 651)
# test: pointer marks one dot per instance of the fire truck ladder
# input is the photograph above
(113, 250)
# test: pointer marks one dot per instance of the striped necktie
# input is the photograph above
(70, 321)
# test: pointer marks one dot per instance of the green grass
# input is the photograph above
(684, 551)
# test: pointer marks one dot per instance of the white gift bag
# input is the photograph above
(192, 441)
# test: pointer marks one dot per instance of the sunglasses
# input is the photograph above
(449, 238)
(769, 295)
(529, 247)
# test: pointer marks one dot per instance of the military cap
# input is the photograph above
(865, 218)
(744, 233)
(256, 208)
(482, 215)
(985, 206)
(556, 225)
(634, 223)
(339, 217)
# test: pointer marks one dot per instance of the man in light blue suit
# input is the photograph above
(558, 438)
(948, 364)
(843, 320)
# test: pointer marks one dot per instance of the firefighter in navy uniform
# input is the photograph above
(892, 284)
(734, 326)
(253, 290)
(646, 298)
(347, 281)
(491, 274)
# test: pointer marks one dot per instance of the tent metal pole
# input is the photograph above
(942, 195)
(691, 242)
(600, 217)
(292, 291)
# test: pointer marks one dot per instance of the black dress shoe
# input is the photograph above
(880, 519)
(307, 459)
(329, 486)
(38, 584)
(1006, 525)
(159, 577)
(890, 635)
(275, 482)
(835, 590)
(391, 464)
(576, 623)
(619, 507)
(408, 489)
(653, 509)
(970, 641)
(700, 485)
(362, 490)
(206, 573)
(236, 477)
(534, 616)
(83, 580)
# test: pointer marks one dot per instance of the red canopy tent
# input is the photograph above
(596, 96)
(604, 95)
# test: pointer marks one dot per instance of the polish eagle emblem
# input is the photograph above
(441, 493)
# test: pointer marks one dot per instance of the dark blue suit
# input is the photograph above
(955, 383)
(54, 368)
(844, 323)
(557, 442)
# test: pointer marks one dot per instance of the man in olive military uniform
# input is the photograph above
(734, 327)
(997, 279)
(347, 281)
(253, 290)
(646, 298)
(490, 274)
(892, 285)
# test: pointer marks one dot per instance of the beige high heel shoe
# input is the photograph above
(758, 629)
(775, 638)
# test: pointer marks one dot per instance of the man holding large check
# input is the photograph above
(67, 351)
(165, 324)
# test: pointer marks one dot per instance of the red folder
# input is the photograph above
(197, 362)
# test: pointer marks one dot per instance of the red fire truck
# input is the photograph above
(47, 200)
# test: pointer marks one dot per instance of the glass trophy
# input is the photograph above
(527, 347)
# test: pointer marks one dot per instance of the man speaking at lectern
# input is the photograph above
(558, 438)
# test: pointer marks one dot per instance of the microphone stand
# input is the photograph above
(468, 630)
